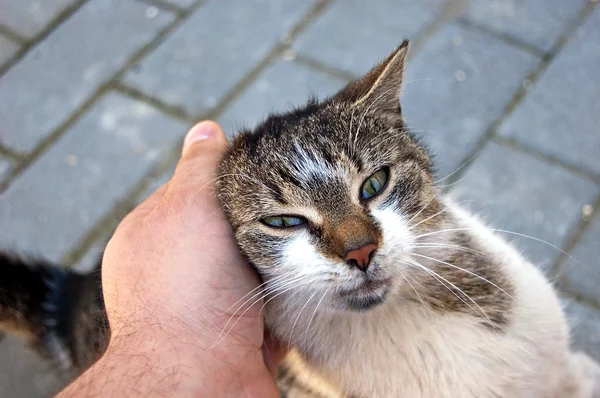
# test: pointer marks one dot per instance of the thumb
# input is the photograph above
(203, 149)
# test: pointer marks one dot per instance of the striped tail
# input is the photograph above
(60, 312)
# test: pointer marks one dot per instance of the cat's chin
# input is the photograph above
(367, 296)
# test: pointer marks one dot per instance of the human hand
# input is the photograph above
(172, 278)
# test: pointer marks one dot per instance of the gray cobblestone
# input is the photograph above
(537, 22)
(582, 278)
(585, 327)
(6, 167)
(76, 183)
(57, 76)
(457, 86)
(340, 39)
(282, 86)
(8, 48)
(519, 193)
(193, 72)
(30, 17)
(560, 115)
(23, 374)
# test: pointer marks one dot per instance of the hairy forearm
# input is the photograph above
(144, 368)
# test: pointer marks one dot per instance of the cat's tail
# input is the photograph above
(57, 310)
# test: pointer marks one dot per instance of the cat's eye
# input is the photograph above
(374, 184)
(284, 221)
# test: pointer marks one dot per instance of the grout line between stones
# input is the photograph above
(29, 44)
(120, 210)
(575, 236)
(508, 39)
(55, 135)
(14, 36)
(283, 45)
(521, 92)
(10, 154)
(449, 12)
(580, 300)
(312, 63)
(176, 112)
(553, 160)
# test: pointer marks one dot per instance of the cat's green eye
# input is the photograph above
(374, 184)
(284, 221)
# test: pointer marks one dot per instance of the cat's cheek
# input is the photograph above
(301, 257)
(398, 239)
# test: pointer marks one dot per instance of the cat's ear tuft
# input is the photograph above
(381, 86)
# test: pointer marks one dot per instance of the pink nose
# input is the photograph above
(361, 258)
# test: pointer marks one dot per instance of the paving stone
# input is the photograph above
(58, 75)
(76, 183)
(585, 327)
(8, 48)
(203, 60)
(582, 278)
(281, 87)
(23, 374)
(519, 193)
(457, 86)
(354, 35)
(560, 115)
(537, 22)
(30, 17)
(6, 167)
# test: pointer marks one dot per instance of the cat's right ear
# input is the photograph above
(380, 87)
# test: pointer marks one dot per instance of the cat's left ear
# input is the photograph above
(380, 88)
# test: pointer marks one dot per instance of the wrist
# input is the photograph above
(153, 361)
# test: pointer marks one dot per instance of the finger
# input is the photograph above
(203, 148)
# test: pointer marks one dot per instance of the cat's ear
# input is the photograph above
(380, 87)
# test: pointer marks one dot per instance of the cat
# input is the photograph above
(380, 284)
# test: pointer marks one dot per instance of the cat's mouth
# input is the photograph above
(369, 294)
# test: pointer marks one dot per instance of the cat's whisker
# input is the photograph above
(423, 79)
(261, 295)
(464, 164)
(302, 283)
(272, 280)
(500, 231)
(278, 291)
(411, 286)
(312, 317)
(461, 179)
(464, 270)
(298, 317)
(430, 217)
(440, 278)
(445, 245)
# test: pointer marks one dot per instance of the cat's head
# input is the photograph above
(324, 199)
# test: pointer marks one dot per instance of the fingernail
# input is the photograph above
(200, 132)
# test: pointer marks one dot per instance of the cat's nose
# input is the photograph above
(361, 257)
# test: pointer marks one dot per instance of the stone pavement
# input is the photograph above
(95, 96)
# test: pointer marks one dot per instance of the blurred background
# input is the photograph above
(96, 95)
